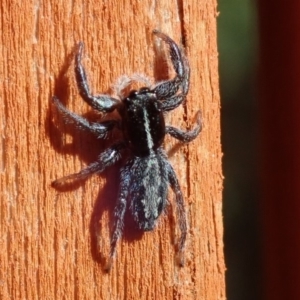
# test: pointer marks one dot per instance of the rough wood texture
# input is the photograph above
(49, 240)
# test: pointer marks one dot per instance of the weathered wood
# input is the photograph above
(50, 239)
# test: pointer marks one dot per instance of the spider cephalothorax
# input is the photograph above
(146, 172)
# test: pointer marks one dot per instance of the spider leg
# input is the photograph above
(100, 129)
(119, 213)
(186, 136)
(105, 159)
(168, 89)
(180, 211)
(103, 103)
(173, 102)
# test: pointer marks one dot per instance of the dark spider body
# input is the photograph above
(143, 122)
(147, 173)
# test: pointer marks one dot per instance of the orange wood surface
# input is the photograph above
(50, 240)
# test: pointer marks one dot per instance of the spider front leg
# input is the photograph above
(103, 103)
(100, 129)
(167, 90)
(105, 159)
(186, 136)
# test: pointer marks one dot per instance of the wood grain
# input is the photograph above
(50, 240)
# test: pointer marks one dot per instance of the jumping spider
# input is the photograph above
(146, 173)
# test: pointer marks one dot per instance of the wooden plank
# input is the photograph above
(50, 239)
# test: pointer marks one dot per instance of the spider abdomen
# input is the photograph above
(143, 122)
(148, 190)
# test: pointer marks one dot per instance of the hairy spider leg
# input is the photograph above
(119, 213)
(105, 159)
(180, 211)
(103, 103)
(168, 89)
(186, 136)
(100, 129)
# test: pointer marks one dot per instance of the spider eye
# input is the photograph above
(126, 100)
(132, 94)
(144, 90)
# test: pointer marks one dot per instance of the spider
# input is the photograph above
(146, 172)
